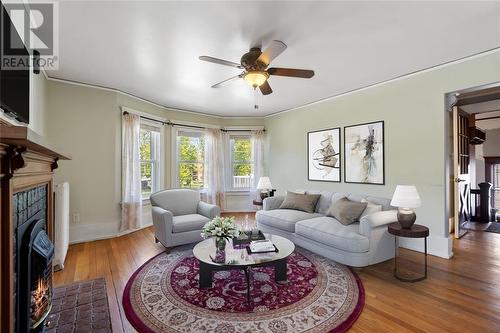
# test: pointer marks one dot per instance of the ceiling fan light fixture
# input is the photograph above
(256, 78)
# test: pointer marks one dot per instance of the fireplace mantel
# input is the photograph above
(26, 161)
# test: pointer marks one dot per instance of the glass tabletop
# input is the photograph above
(238, 255)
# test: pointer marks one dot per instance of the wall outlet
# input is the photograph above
(76, 217)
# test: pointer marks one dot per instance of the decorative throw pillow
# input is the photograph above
(346, 211)
(298, 201)
(370, 208)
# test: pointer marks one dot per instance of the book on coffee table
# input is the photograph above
(261, 246)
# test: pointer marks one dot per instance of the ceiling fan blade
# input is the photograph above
(220, 61)
(265, 88)
(274, 50)
(293, 72)
(227, 81)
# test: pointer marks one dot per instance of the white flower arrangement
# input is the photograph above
(222, 227)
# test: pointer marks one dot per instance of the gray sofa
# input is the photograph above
(179, 215)
(364, 243)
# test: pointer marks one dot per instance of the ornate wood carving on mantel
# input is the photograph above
(26, 161)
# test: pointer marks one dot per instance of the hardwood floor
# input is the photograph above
(460, 295)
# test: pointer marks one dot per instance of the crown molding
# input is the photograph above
(166, 108)
(218, 116)
(397, 78)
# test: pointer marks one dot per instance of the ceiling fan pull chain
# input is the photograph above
(255, 102)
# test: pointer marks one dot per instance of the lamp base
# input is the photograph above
(264, 194)
(406, 220)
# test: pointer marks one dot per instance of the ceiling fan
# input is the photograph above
(255, 65)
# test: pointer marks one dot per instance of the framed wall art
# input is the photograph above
(364, 153)
(323, 155)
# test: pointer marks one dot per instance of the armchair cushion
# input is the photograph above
(208, 210)
(190, 222)
(178, 201)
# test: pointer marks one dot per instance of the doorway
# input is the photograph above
(474, 159)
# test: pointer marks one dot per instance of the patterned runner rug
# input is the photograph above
(320, 296)
(80, 307)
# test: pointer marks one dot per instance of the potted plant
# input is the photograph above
(223, 229)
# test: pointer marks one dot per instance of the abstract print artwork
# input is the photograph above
(324, 155)
(364, 153)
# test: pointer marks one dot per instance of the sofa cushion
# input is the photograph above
(303, 202)
(338, 195)
(346, 211)
(331, 232)
(283, 219)
(385, 202)
(324, 202)
(370, 208)
(190, 222)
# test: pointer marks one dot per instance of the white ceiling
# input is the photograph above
(151, 49)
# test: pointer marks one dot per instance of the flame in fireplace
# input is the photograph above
(40, 301)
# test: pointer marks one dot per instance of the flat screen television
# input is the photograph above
(14, 84)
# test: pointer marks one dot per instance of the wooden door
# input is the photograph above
(461, 176)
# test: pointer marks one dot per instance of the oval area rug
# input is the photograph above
(319, 296)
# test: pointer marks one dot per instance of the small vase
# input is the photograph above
(220, 250)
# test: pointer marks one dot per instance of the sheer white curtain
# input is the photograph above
(131, 173)
(215, 147)
(258, 140)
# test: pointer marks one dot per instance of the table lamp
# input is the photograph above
(406, 198)
(264, 186)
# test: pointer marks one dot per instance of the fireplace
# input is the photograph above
(33, 253)
(27, 164)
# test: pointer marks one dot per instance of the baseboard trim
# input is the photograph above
(436, 245)
(87, 232)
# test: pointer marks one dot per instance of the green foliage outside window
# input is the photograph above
(242, 154)
(146, 164)
(191, 157)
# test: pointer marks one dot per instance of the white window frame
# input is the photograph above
(175, 150)
(158, 167)
(229, 171)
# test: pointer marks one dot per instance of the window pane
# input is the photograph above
(146, 179)
(191, 149)
(242, 151)
(191, 175)
(242, 175)
(145, 145)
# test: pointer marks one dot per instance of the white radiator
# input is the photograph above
(61, 224)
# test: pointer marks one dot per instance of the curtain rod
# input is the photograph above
(191, 126)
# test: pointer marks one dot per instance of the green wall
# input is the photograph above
(413, 110)
(85, 122)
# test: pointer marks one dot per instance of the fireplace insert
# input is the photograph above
(32, 261)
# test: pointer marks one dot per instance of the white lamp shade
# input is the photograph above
(264, 184)
(406, 196)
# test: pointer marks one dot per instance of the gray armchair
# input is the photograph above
(179, 215)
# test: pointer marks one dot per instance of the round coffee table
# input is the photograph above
(238, 258)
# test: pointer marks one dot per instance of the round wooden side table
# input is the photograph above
(416, 231)
(258, 203)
